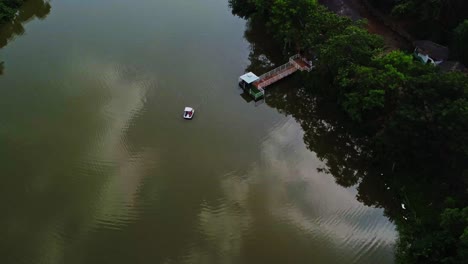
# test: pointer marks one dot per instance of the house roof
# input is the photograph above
(249, 77)
(434, 50)
(452, 66)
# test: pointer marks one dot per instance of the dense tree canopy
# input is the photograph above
(336, 53)
(405, 140)
(293, 23)
(371, 92)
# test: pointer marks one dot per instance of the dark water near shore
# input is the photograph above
(97, 165)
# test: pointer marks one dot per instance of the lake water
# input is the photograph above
(98, 166)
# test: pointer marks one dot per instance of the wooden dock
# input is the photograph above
(295, 63)
(255, 85)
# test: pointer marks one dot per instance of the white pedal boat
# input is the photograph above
(188, 112)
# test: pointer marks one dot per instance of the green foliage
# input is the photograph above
(460, 42)
(444, 243)
(431, 121)
(357, 104)
(8, 9)
(413, 121)
(370, 90)
(288, 19)
(299, 24)
(420, 119)
(242, 8)
(338, 53)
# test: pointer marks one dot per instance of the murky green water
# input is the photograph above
(97, 165)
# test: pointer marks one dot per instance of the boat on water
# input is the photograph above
(188, 113)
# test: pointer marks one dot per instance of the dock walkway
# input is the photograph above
(295, 63)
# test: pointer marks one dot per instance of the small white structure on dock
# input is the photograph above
(247, 79)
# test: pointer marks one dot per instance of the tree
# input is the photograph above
(413, 146)
(428, 128)
(300, 25)
(371, 92)
(460, 42)
(445, 240)
(288, 20)
(242, 8)
(354, 46)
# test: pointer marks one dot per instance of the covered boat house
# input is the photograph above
(246, 82)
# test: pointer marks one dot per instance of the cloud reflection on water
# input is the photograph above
(289, 191)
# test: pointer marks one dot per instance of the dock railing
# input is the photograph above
(307, 68)
(282, 71)
(261, 90)
(274, 71)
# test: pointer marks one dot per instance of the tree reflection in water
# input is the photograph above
(30, 10)
(344, 150)
(414, 196)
